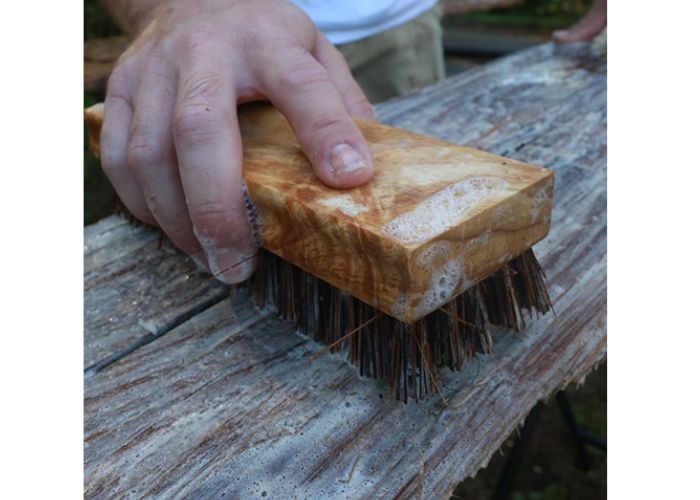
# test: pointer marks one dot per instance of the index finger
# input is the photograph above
(208, 145)
(301, 88)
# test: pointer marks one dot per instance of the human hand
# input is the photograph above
(170, 142)
(588, 27)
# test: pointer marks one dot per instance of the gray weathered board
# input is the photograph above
(192, 392)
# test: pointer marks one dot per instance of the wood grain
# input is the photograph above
(136, 288)
(228, 403)
(436, 218)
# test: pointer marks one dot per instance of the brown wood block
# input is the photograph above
(436, 218)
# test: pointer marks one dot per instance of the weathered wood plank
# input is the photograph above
(229, 403)
(110, 240)
(136, 289)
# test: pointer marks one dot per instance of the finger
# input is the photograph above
(114, 138)
(152, 159)
(354, 98)
(208, 145)
(301, 88)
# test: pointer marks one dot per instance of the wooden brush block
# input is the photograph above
(436, 218)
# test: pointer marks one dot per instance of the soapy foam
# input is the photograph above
(443, 210)
(399, 308)
(447, 278)
(479, 240)
(442, 286)
(538, 201)
(345, 204)
(433, 252)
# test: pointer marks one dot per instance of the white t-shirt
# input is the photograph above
(344, 21)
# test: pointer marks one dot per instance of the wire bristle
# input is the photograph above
(407, 356)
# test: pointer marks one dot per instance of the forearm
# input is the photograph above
(131, 15)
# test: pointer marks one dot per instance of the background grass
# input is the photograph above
(98, 193)
(535, 14)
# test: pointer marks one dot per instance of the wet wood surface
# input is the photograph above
(136, 288)
(223, 400)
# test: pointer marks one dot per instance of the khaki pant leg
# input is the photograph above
(399, 60)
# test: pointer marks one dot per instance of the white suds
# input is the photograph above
(482, 239)
(449, 271)
(345, 204)
(444, 210)
(432, 252)
(442, 287)
(537, 202)
(399, 308)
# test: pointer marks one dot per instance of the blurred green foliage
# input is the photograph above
(588, 417)
(96, 22)
(98, 193)
(541, 14)
(552, 491)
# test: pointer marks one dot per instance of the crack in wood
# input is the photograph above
(150, 337)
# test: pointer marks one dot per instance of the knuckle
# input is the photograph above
(194, 125)
(364, 106)
(118, 83)
(211, 218)
(155, 63)
(196, 117)
(202, 88)
(154, 56)
(327, 123)
(111, 160)
(143, 153)
(258, 28)
(112, 156)
(303, 77)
